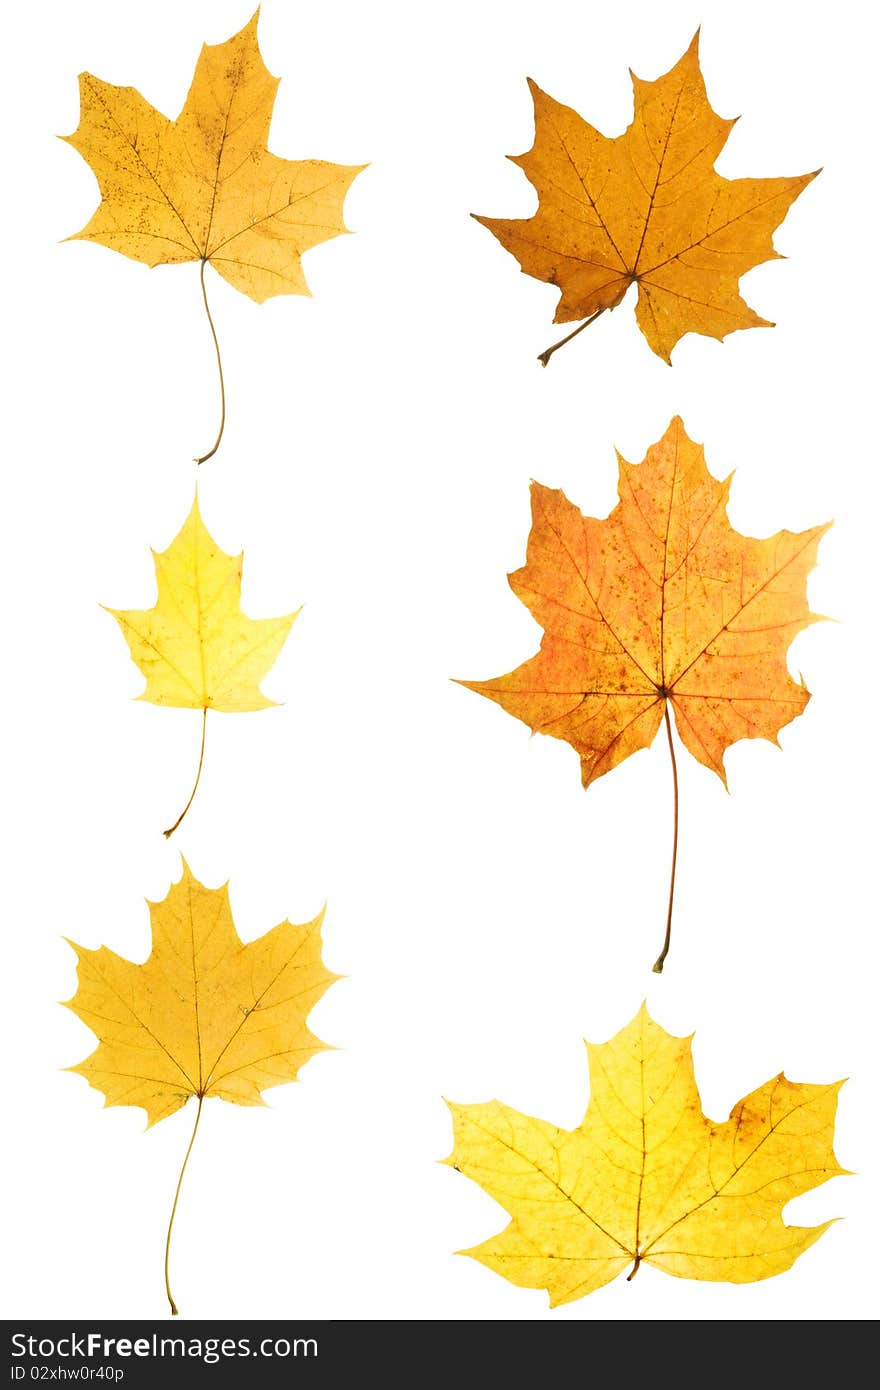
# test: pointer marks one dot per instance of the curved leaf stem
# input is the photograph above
(169, 833)
(544, 357)
(658, 964)
(213, 451)
(174, 1207)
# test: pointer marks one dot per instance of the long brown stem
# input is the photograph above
(212, 452)
(544, 357)
(192, 794)
(658, 964)
(174, 1207)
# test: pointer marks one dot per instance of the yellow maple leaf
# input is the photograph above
(646, 1178)
(206, 1015)
(648, 209)
(661, 604)
(196, 647)
(205, 187)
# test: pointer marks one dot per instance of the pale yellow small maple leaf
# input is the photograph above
(195, 647)
(646, 1178)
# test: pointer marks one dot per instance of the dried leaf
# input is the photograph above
(205, 1015)
(647, 1178)
(204, 187)
(646, 208)
(195, 646)
(660, 602)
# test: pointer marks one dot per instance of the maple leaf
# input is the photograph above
(646, 208)
(661, 604)
(196, 647)
(205, 187)
(646, 1178)
(206, 1015)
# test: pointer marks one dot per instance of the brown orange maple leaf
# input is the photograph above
(661, 604)
(646, 208)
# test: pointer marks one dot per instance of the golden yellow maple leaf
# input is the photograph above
(646, 1178)
(206, 1015)
(204, 187)
(660, 604)
(196, 647)
(648, 209)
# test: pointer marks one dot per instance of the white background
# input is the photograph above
(487, 913)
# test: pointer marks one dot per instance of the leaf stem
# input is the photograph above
(544, 357)
(174, 1207)
(658, 964)
(169, 833)
(212, 452)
